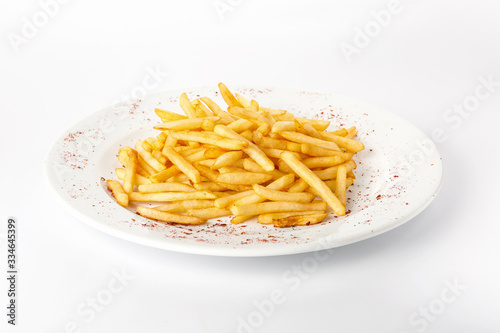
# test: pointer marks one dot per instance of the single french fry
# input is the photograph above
(318, 124)
(236, 187)
(229, 169)
(130, 171)
(214, 153)
(344, 142)
(292, 221)
(341, 132)
(208, 213)
(251, 166)
(277, 206)
(311, 131)
(302, 138)
(165, 174)
(168, 217)
(166, 187)
(241, 219)
(170, 196)
(196, 156)
(211, 138)
(252, 150)
(168, 116)
(341, 184)
(185, 205)
(299, 186)
(227, 159)
(269, 218)
(313, 150)
(275, 195)
(228, 96)
(183, 165)
(244, 178)
(123, 155)
(243, 101)
(118, 192)
(322, 162)
(208, 163)
(174, 207)
(185, 124)
(281, 126)
(187, 106)
(241, 125)
(351, 132)
(315, 182)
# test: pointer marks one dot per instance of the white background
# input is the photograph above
(429, 57)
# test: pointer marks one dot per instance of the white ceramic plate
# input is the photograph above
(398, 175)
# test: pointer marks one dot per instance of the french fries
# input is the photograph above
(246, 160)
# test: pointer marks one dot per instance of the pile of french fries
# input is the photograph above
(245, 161)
